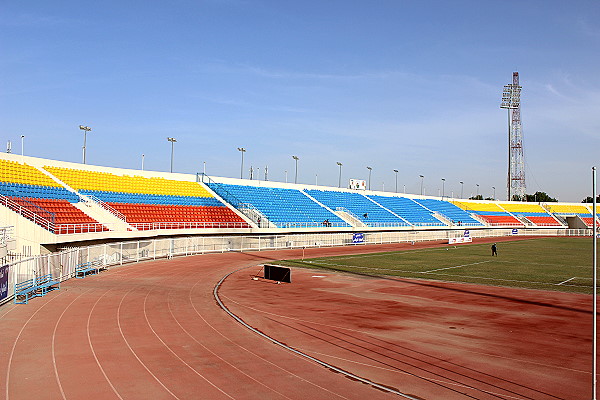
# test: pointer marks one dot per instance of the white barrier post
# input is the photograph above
(594, 265)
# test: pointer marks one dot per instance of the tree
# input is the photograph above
(542, 197)
(590, 200)
(478, 197)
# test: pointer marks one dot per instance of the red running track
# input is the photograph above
(153, 330)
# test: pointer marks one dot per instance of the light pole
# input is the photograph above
(286, 179)
(143, 155)
(85, 130)
(296, 158)
(462, 186)
(172, 140)
(242, 150)
(340, 178)
(396, 172)
(477, 184)
(443, 187)
(422, 177)
(22, 137)
(494, 187)
(370, 169)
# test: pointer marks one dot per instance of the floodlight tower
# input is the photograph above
(511, 100)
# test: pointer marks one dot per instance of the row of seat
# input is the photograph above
(153, 213)
(16, 172)
(138, 198)
(281, 206)
(104, 181)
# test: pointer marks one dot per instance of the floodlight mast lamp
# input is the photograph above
(340, 178)
(511, 101)
(396, 172)
(85, 130)
(242, 150)
(422, 177)
(172, 140)
(296, 158)
(370, 169)
(443, 186)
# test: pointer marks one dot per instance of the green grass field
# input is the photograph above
(562, 264)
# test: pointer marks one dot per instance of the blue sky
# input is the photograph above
(407, 85)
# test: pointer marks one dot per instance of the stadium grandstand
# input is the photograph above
(48, 206)
(66, 203)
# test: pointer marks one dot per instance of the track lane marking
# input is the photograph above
(62, 392)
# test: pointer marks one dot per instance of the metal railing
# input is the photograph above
(27, 213)
(143, 226)
(61, 265)
(105, 206)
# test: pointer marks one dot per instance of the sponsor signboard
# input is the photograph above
(358, 184)
(3, 282)
(358, 238)
(460, 240)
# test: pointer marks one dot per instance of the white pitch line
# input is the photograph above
(566, 281)
(458, 266)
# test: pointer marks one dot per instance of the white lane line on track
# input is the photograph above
(92, 346)
(216, 355)
(62, 392)
(175, 354)
(254, 354)
(131, 349)
(12, 351)
(457, 266)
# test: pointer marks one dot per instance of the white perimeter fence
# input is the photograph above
(62, 264)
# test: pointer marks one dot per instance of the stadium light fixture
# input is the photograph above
(296, 158)
(22, 137)
(494, 187)
(340, 178)
(370, 169)
(477, 184)
(462, 186)
(396, 172)
(242, 150)
(422, 178)
(143, 156)
(85, 130)
(172, 140)
(286, 178)
(443, 186)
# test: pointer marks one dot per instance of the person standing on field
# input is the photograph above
(494, 250)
